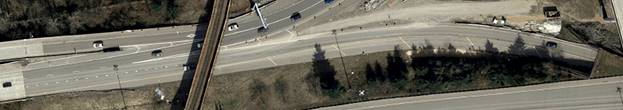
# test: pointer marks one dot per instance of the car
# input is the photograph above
(128, 31)
(190, 35)
(186, 67)
(295, 16)
(551, 44)
(98, 44)
(199, 45)
(156, 53)
(232, 26)
(6, 84)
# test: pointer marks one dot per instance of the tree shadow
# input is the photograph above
(489, 48)
(323, 73)
(518, 47)
(374, 72)
(180, 98)
(396, 66)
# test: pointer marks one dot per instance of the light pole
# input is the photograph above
(334, 32)
(116, 68)
(620, 96)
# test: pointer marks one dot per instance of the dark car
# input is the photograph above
(551, 44)
(156, 53)
(6, 84)
(295, 16)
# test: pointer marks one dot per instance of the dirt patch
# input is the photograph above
(142, 98)
(576, 10)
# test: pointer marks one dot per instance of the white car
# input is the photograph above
(232, 26)
(128, 31)
(190, 35)
(98, 44)
(185, 68)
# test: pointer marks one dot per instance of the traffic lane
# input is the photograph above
(520, 99)
(72, 59)
(586, 52)
(105, 62)
(51, 61)
(86, 45)
(99, 78)
(303, 52)
(460, 32)
(279, 24)
(271, 17)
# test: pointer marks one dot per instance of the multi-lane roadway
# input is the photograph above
(56, 74)
(595, 94)
(137, 66)
(143, 68)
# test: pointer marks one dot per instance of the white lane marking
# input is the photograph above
(229, 34)
(138, 49)
(159, 43)
(128, 36)
(483, 95)
(74, 56)
(162, 58)
(470, 41)
(338, 50)
(271, 60)
(403, 41)
(67, 63)
(104, 84)
(319, 1)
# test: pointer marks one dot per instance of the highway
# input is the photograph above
(276, 21)
(618, 11)
(55, 74)
(594, 94)
(137, 67)
(141, 68)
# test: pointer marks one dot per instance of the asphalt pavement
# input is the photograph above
(139, 68)
(594, 94)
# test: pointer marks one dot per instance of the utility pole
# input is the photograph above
(116, 68)
(339, 50)
(620, 96)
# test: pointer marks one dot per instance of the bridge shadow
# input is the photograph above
(179, 100)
